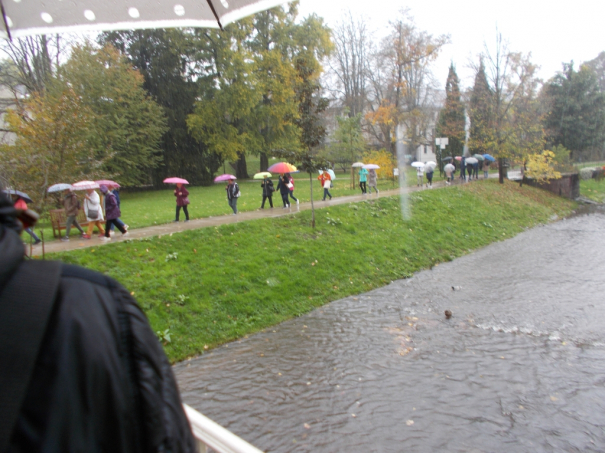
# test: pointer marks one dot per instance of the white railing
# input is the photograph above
(212, 435)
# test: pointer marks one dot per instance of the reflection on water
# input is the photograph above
(520, 366)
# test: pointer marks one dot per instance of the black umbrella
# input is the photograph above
(19, 193)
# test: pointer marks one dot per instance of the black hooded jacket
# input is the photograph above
(101, 381)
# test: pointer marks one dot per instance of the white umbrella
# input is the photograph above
(417, 164)
(330, 172)
(58, 188)
(371, 167)
(449, 167)
(358, 164)
(430, 164)
(84, 185)
(38, 17)
(471, 160)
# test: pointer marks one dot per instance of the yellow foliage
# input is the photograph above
(540, 167)
(383, 159)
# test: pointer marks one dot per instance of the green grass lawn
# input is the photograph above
(213, 285)
(593, 189)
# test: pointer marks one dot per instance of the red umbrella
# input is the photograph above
(176, 181)
(282, 167)
(107, 182)
(225, 177)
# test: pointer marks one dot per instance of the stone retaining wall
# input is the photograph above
(567, 186)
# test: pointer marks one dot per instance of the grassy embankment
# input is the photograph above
(213, 285)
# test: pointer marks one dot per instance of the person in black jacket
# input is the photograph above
(284, 190)
(101, 381)
(268, 190)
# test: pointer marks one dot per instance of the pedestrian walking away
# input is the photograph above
(284, 190)
(326, 183)
(112, 212)
(71, 204)
(290, 184)
(419, 173)
(21, 204)
(268, 190)
(233, 194)
(486, 169)
(114, 190)
(94, 213)
(476, 170)
(463, 169)
(372, 181)
(363, 178)
(182, 200)
(429, 177)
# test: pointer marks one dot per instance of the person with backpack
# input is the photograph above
(112, 213)
(71, 204)
(86, 373)
(268, 190)
(233, 194)
(284, 190)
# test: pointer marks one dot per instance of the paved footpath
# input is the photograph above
(174, 227)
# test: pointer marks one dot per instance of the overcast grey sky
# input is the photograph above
(553, 31)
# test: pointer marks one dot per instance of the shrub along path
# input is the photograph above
(169, 228)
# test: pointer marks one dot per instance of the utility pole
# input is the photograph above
(441, 143)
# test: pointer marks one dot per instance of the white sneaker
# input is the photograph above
(105, 238)
(125, 234)
(297, 202)
(126, 227)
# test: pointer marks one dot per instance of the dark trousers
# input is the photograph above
(292, 195)
(32, 234)
(284, 198)
(109, 222)
(265, 198)
(119, 221)
(178, 211)
(327, 194)
(362, 186)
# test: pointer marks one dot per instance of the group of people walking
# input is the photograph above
(285, 186)
(368, 178)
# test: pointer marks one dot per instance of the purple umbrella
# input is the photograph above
(225, 177)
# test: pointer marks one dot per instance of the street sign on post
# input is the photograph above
(441, 142)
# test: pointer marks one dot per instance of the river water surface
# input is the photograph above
(519, 367)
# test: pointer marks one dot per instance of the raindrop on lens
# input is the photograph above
(179, 10)
(89, 15)
(225, 4)
(9, 22)
(47, 18)
(134, 13)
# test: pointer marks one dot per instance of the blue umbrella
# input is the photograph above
(489, 157)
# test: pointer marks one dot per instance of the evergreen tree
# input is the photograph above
(575, 108)
(452, 117)
(480, 113)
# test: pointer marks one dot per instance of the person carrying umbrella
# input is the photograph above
(290, 184)
(429, 177)
(112, 213)
(114, 190)
(284, 190)
(372, 181)
(21, 204)
(268, 189)
(94, 214)
(326, 182)
(233, 194)
(71, 204)
(182, 201)
(363, 178)
(463, 169)
(485, 169)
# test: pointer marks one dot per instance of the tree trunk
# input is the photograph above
(241, 169)
(264, 162)
(501, 169)
(312, 206)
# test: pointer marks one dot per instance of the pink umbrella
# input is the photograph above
(282, 167)
(84, 185)
(458, 157)
(176, 181)
(225, 177)
(107, 182)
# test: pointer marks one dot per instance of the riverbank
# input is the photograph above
(209, 286)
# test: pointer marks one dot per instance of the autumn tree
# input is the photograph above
(480, 112)
(348, 141)
(452, 118)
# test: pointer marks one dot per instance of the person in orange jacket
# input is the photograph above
(326, 182)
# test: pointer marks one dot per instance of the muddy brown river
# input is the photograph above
(520, 366)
